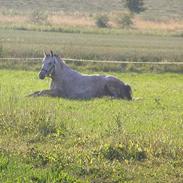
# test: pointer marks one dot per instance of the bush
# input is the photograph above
(102, 21)
(125, 21)
(38, 17)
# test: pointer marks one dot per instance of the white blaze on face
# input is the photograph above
(47, 67)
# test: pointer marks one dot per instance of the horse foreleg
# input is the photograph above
(51, 93)
(47, 93)
(35, 94)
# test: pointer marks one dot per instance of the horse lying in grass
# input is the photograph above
(68, 83)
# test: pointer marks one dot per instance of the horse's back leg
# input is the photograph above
(118, 89)
(112, 90)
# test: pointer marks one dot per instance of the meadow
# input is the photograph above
(102, 140)
(98, 140)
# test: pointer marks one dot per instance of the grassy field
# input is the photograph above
(99, 140)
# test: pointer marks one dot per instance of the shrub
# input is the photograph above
(125, 21)
(102, 21)
(124, 152)
(38, 17)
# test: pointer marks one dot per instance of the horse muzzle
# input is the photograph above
(42, 75)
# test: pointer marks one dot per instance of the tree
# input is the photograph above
(135, 6)
(125, 21)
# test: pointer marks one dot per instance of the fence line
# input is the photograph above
(101, 61)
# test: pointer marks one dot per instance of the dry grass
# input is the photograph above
(171, 25)
(70, 20)
(13, 19)
(84, 20)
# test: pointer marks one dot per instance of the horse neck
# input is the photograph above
(59, 69)
(57, 79)
(63, 72)
(66, 70)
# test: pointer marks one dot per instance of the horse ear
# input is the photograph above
(44, 53)
(51, 53)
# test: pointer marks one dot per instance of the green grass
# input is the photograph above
(156, 10)
(98, 140)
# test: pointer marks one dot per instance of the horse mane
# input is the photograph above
(61, 61)
(59, 58)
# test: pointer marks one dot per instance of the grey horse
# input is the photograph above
(68, 83)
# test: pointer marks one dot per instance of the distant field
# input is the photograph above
(99, 140)
(156, 10)
(126, 46)
(60, 22)
(130, 46)
(56, 15)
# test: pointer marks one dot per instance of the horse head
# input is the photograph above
(48, 66)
